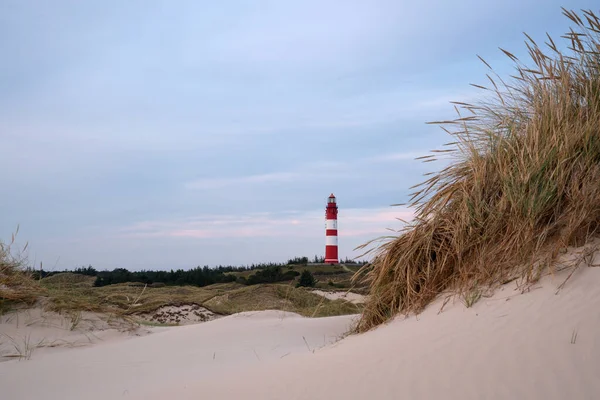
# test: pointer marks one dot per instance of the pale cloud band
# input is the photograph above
(352, 223)
(307, 172)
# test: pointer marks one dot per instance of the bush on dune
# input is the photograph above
(16, 283)
(525, 178)
(306, 279)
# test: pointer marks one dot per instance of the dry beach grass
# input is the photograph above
(70, 294)
(523, 184)
(16, 285)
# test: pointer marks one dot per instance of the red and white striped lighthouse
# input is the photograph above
(331, 240)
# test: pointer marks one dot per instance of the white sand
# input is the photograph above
(27, 333)
(178, 315)
(509, 346)
(344, 295)
(172, 358)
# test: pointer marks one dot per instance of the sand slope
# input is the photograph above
(28, 333)
(170, 358)
(508, 346)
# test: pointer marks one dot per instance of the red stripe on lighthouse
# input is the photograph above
(331, 240)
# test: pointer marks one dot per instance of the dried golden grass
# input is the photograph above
(278, 297)
(16, 284)
(526, 174)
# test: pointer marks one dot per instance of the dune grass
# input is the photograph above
(120, 299)
(524, 182)
(69, 293)
(16, 284)
(279, 297)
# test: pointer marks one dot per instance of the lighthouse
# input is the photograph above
(331, 240)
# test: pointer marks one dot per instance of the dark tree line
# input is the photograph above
(269, 275)
(318, 260)
(298, 261)
(351, 261)
(199, 276)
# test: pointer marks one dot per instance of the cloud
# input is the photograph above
(352, 222)
(209, 239)
(305, 172)
(216, 183)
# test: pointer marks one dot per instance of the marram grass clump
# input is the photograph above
(16, 284)
(525, 180)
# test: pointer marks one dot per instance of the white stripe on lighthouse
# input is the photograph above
(331, 240)
(331, 224)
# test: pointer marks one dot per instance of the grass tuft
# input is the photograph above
(523, 179)
(16, 283)
(23, 346)
(471, 297)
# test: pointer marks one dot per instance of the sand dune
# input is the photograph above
(28, 333)
(512, 345)
(226, 348)
(509, 346)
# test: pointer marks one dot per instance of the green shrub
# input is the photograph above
(271, 275)
(306, 279)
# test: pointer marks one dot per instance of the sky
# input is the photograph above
(171, 134)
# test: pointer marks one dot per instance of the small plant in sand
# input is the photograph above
(23, 346)
(75, 319)
(574, 337)
(524, 181)
(471, 297)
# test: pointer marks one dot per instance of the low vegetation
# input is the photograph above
(204, 276)
(268, 275)
(127, 299)
(306, 279)
(16, 285)
(523, 184)
(124, 294)
(279, 297)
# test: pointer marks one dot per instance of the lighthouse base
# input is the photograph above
(332, 261)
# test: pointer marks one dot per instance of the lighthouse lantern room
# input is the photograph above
(331, 240)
